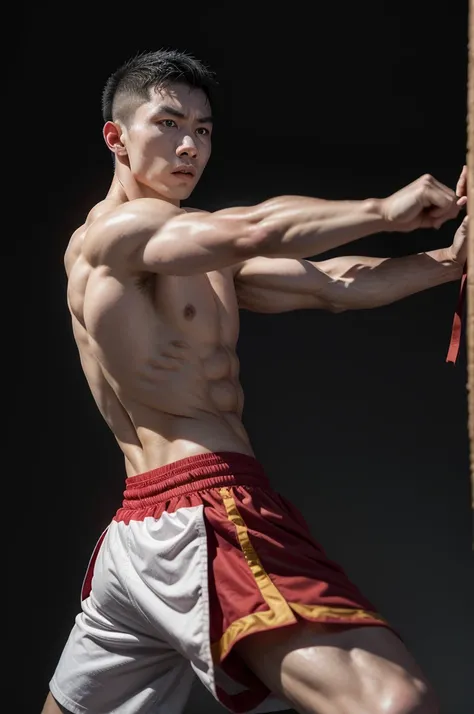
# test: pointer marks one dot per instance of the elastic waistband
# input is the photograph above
(195, 473)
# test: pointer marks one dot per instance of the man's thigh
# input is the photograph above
(105, 667)
(51, 706)
(335, 668)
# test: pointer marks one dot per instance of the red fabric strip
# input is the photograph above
(456, 330)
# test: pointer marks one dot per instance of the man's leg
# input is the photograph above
(52, 707)
(337, 670)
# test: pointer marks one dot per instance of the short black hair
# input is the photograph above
(129, 86)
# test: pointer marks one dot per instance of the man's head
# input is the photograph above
(157, 114)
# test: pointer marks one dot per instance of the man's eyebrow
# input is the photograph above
(205, 120)
(166, 109)
(172, 111)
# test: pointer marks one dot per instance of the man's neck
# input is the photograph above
(125, 188)
(116, 191)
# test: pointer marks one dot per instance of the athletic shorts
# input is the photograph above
(202, 554)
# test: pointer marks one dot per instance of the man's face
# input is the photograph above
(167, 136)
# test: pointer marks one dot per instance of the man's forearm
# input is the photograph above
(360, 282)
(299, 227)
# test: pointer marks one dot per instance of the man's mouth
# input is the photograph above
(189, 171)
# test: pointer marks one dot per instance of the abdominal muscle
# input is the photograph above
(206, 434)
(202, 415)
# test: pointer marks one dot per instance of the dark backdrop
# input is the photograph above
(357, 417)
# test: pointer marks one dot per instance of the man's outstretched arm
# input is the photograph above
(147, 235)
(349, 282)
(344, 283)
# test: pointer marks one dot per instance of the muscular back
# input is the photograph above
(158, 352)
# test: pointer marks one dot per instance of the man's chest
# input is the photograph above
(202, 306)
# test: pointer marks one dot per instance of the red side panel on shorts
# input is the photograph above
(87, 582)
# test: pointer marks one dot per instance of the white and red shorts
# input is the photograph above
(201, 554)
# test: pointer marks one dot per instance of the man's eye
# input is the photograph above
(168, 122)
(203, 131)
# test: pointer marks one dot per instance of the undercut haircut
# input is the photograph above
(130, 85)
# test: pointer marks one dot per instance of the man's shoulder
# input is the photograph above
(74, 246)
(107, 212)
(112, 230)
(131, 215)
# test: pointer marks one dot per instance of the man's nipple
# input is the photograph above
(189, 311)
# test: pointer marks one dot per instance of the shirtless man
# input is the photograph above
(205, 569)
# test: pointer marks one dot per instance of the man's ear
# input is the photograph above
(113, 137)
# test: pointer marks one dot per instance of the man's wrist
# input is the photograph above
(374, 209)
(450, 259)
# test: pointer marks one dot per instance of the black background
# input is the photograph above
(357, 417)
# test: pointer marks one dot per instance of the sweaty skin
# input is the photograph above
(159, 355)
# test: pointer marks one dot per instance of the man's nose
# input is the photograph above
(187, 147)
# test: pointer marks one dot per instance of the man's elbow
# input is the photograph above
(337, 308)
(253, 241)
